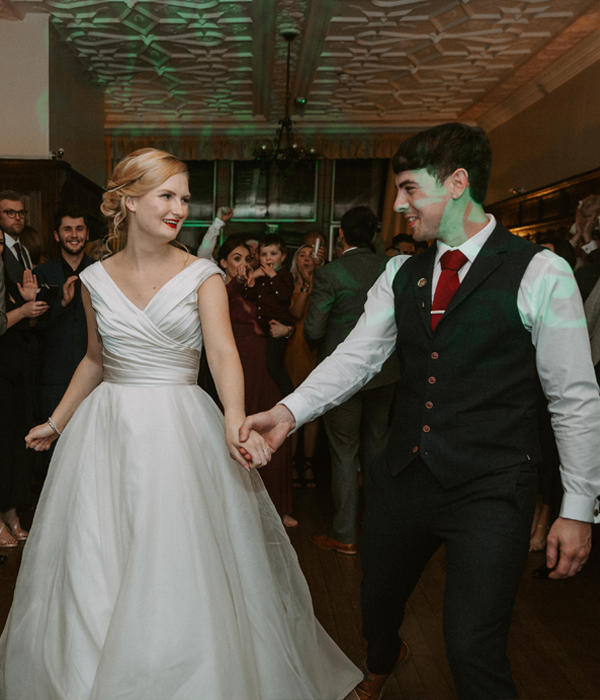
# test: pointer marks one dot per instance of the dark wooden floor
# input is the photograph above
(555, 637)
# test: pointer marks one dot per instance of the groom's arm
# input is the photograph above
(353, 363)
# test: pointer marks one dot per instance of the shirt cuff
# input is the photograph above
(589, 247)
(217, 223)
(582, 508)
(299, 408)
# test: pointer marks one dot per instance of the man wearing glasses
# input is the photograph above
(12, 222)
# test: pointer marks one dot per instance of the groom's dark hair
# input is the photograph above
(444, 149)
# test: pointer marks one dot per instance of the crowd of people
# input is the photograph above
(446, 375)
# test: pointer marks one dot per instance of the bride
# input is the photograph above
(157, 568)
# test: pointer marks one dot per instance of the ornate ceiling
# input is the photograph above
(370, 64)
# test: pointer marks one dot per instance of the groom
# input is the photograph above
(478, 321)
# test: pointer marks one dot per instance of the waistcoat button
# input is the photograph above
(426, 428)
(434, 355)
(432, 380)
(415, 449)
(429, 404)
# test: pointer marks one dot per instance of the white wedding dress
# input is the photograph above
(157, 568)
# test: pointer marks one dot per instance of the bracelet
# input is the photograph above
(288, 335)
(51, 424)
(304, 289)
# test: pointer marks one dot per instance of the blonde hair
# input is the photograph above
(294, 265)
(137, 174)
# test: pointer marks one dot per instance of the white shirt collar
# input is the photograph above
(9, 240)
(471, 247)
(354, 247)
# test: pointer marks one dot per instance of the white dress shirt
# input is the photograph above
(550, 308)
(207, 244)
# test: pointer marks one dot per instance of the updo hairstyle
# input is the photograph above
(137, 174)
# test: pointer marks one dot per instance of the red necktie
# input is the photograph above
(451, 262)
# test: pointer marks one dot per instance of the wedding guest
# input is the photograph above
(18, 362)
(300, 361)
(12, 223)
(62, 332)
(274, 289)
(260, 390)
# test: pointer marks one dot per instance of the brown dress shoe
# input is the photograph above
(327, 542)
(372, 685)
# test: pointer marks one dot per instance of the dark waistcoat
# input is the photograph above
(467, 400)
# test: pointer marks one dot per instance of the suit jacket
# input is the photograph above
(13, 268)
(337, 301)
(62, 330)
(2, 300)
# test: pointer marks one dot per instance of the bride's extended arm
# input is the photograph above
(86, 378)
(226, 370)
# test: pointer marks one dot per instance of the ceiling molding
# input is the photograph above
(576, 61)
(568, 39)
(263, 15)
(316, 27)
(220, 65)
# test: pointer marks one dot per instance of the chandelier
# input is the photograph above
(287, 148)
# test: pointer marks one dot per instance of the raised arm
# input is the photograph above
(226, 370)
(86, 378)
(207, 244)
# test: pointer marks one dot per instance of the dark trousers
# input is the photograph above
(276, 348)
(485, 526)
(359, 425)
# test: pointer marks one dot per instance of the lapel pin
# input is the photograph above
(422, 282)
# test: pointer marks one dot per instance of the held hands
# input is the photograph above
(571, 540)
(69, 290)
(41, 437)
(30, 286)
(273, 425)
(252, 453)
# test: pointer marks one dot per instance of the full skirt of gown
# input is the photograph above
(156, 567)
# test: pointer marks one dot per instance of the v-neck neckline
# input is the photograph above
(166, 284)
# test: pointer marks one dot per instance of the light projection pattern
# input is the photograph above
(222, 62)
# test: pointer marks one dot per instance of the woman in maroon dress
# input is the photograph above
(261, 392)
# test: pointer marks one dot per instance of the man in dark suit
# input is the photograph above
(12, 223)
(361, 423)
(2, 290)
(62, 329)
(477, 320)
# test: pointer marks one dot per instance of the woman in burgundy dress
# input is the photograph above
(261, 392)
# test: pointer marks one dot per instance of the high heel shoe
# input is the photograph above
(5, 542)
(17, 532)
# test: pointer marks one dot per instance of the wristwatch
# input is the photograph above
(304, 289)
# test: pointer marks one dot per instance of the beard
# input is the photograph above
(70, 249)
